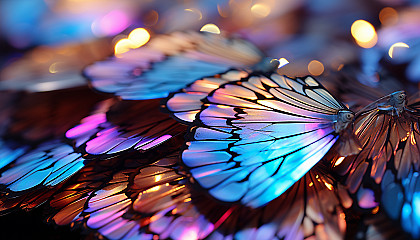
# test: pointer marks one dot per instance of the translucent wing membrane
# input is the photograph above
(146, 202)
(168, 63)
(311, 208)
(155, 201)
(358, 89)
(389, 135)
(384, 172)
(70, 201)
(35, 175)
(259, 136)
(122, 127)
(185, 104)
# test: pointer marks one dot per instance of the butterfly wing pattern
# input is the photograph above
(119, 127)
(254, 147)
(186, 103)
(170, 62)
(385, 171)
(31, 174)
(155, 200)
(257, 137)
(144, 201)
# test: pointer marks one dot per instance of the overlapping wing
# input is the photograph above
(384, 172)
(9, 151)
(36, 175)
(168, 63)
(259, 136)
(186, 103)
(390, 140)
(144, 202)
(117, 127)
(156, 201)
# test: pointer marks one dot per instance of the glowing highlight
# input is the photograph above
(315, 67)
(364, 34)
(398, 44)
(260, 10)
(137, 38)
(211, 28)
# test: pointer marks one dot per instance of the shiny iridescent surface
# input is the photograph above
(259, 136)
(389, 134)
(9, 151)
(168, 63)
(123, 126)
(150, 200)
(34, 176)
(40, 117)
(384, 174)
(185, 104)
(256, 164)
(155, 200)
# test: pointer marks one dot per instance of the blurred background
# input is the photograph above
(45, 44)
(52, 40)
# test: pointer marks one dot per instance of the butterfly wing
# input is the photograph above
(156, 201)
(311, 208)
(118, 127)
(35, 175)
(259, 136)
(384, 172)
(389, 141)
(401, 200)
(186, 103)
(168, 63)
(141, 202)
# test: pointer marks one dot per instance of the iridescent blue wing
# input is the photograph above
(186, 103)
(401, 200)
(118, 127)
(168, 63)
(257, 137)
(9, 151)
(68, 203)
(34, 176)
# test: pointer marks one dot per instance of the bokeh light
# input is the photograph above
(112, 23)
(388, 16)
(364, 34)
(195, 11)
(315, 67)
(211, 28)
(137, 38)
(122, 46)
(396, 45)
(260, 10)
